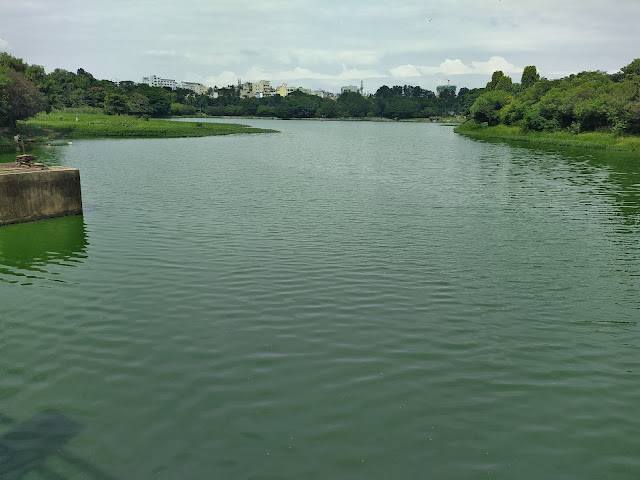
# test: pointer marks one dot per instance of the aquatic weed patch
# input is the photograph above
(600, 140)
(88, 124)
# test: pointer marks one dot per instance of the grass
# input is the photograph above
(93, 123)
(599, 140)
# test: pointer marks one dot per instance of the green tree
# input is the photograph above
(20, 97)
(353, 104)
(486, 108)
(529, 76)
(402, 108)
(115, 104)
(4, 97)
(138, 104)
(633, 68)
(383, 92)
(10, 62)
(328, 109)
(499, 81)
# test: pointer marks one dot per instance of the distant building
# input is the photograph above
(155, 81)
(284, 90)
(245, 89)
(349, 88)
(262, 89)
(198, 88)
(450, 89)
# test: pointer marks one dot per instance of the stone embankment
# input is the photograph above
(30, 193)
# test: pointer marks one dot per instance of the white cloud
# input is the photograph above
(494, 64)
(4, 45)
(457, 67)
(404, 71)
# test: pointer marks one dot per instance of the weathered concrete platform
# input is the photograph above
(34, 193)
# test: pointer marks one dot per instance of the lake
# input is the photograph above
(340, 300)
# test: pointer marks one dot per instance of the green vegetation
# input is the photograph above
(19, 96)
(397, 103)
(93, 123)
(600, 140)
(591, 109)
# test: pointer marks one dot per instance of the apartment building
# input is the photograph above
(262, 89)
(155, 81)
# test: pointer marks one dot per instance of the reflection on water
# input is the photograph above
(34, 245)
(49, 155)
(608, 173)
(28, 446)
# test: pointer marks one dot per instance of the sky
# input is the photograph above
(322, 44)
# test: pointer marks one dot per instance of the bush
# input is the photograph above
(487, 107)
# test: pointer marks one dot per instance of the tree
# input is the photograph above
(19, 98)
(632, 68)
(353, 104)
(12, 63)
(486, 108)
(115, 104)
(402, 108)
(4, 100)
(499, 81)
(529, 76)
(328, 109)
(383, 92)
(138, 104)
(504, 84)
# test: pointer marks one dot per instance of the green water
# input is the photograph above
(342, 300)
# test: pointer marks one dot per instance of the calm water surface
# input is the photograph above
(336, 301)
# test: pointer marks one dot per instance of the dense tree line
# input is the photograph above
(587, 101)
(399, 102)
(583, 102)
(27, 89)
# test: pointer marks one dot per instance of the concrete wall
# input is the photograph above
(30, 193)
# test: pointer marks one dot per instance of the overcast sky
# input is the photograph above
(322, 44)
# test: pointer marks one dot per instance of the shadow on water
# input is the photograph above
(27, 446)
(31, 246)
(621, 170)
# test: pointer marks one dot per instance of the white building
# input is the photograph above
(198, 88)
(322, 93)
(349, 88)
(155, 81)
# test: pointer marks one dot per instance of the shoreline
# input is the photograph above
(57, 127)
(588, 140)
(62, 126)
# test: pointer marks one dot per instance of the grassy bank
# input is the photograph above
(95, 124)
(601, 140)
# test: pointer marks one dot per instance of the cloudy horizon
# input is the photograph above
(322, 44)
